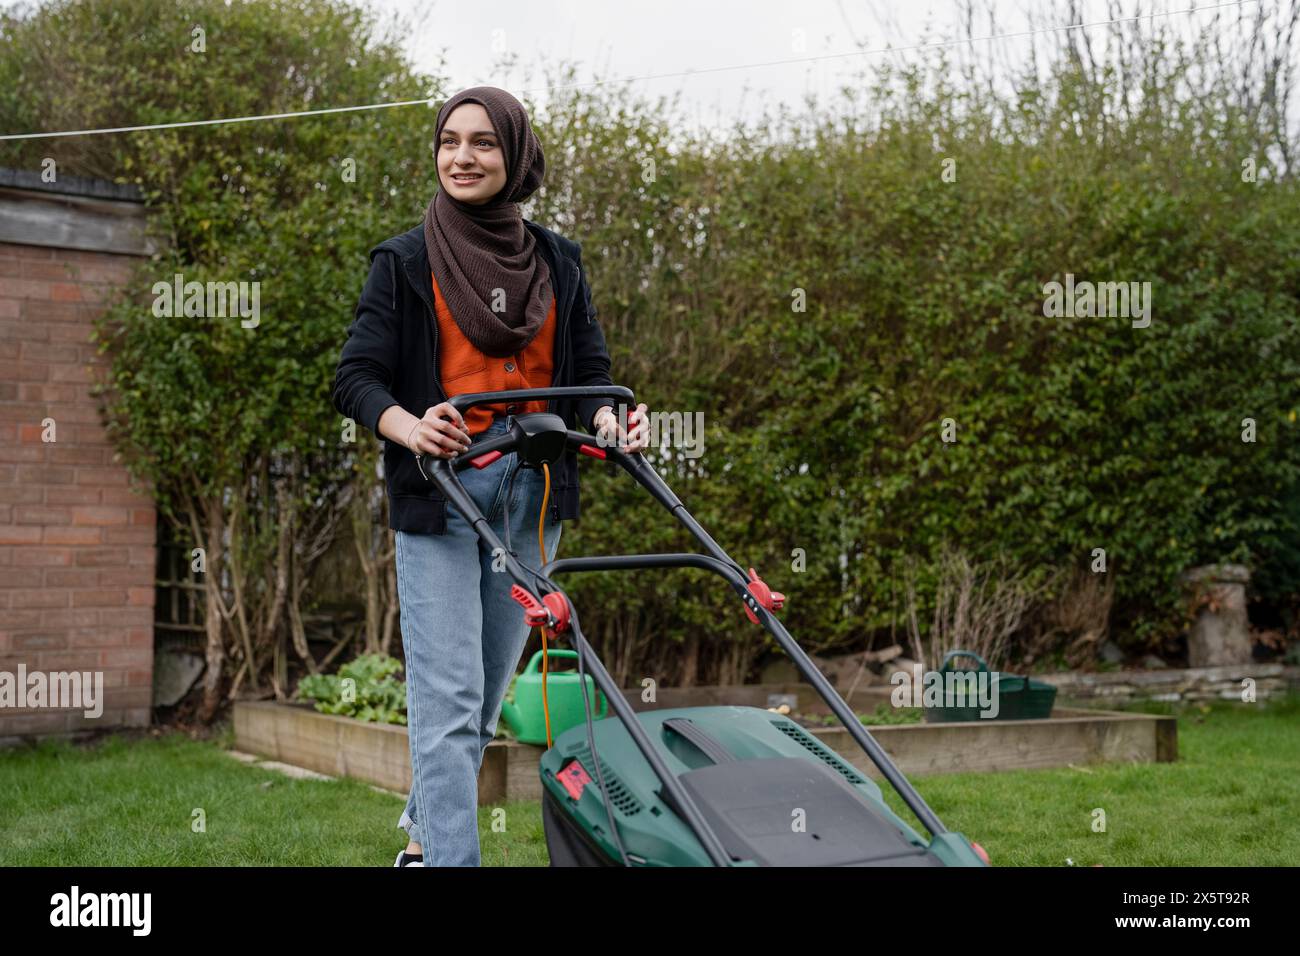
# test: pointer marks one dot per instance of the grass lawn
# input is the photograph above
(1233, 798)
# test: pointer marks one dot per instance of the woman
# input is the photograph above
(475, 299)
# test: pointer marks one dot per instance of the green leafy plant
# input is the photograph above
(364, 688)
(883, 714)
(887, 714)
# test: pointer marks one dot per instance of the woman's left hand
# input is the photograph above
(634, 439)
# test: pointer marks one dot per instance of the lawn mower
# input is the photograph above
(690, 786)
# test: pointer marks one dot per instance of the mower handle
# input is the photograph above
(462, 403)
(483, 451)
(505, 443)
(481, 448)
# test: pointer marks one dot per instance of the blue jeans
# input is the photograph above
(463, 636)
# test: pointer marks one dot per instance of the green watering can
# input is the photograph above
(563, 694)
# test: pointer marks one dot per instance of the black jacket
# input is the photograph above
(391, 358)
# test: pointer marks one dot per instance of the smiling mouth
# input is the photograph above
(467, 178)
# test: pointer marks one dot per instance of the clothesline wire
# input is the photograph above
(938, 44)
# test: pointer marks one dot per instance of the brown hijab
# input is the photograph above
(475, 250)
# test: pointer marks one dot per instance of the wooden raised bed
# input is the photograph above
(379, 754)
(343, 747)
(1069, 737)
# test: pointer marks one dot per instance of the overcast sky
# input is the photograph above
(673, 36)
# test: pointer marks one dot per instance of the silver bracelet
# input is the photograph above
(412, 432)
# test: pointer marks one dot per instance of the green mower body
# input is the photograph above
(776, 795)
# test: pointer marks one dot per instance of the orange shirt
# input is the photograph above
(464, 368)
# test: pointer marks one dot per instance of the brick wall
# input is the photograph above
(77, 555)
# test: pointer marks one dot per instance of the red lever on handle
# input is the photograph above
(538, 613)
(534, 610)
(764, 595)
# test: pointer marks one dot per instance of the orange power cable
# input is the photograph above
(541, 550)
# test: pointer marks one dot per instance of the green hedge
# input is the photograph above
(825, 466)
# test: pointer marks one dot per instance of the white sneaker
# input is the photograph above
(404, 860)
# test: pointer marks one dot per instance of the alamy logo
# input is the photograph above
(58, 690)
(679, 430)
(102, 909)
(946, 689)
(218, 300)
(1125, 300)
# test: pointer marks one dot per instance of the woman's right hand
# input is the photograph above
(436, 436)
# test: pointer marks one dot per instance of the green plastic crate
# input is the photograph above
(1019, 698)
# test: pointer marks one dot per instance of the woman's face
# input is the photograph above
(471, 163)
